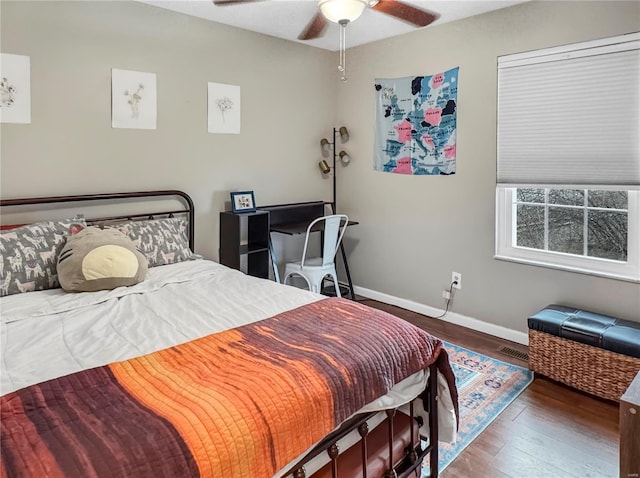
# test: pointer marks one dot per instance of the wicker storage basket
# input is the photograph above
(590, 369)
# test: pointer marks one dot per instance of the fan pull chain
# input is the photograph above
(342, 67)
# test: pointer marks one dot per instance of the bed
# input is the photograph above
(200, 370)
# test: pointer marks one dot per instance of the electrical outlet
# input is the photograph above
(446, 294)
(456, 277)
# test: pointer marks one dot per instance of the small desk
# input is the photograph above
(292, 219)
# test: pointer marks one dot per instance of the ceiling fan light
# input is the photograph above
(339, 10)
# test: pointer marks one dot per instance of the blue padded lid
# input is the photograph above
(550, 319)
(624, 338)
(598, 330)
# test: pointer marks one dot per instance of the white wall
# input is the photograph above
(416, 230)
(287, 93)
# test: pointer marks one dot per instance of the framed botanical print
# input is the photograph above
(15, 88)
(133, 99)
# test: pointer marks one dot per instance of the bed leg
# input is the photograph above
(433, 420)
(364, 431)
(413, 456)
(392, 472)
(333, 452)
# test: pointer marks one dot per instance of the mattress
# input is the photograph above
(51, 333)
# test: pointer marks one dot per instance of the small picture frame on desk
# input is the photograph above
(243, 201)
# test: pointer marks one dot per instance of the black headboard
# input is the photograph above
(183, 197)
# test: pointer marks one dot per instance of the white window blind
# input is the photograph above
(570, 115)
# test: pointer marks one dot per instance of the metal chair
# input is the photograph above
(314, 270)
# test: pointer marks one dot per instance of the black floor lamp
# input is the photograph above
(327, 147)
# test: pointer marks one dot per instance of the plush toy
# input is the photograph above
(99, 259)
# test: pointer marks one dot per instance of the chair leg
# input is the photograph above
(336, 286)
(307, 281)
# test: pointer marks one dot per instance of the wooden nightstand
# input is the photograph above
(630, 431)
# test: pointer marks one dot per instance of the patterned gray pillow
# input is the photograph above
(28, 255)
(162, 241)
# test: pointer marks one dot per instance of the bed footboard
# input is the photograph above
(392, 450)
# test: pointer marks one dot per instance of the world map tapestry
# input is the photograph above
(416, 124)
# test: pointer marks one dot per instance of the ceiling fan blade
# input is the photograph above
(315, 28)
(405, 12)
(222, 3)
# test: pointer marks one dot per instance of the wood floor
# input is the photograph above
(550, 430)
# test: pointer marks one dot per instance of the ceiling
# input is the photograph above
(286, 18)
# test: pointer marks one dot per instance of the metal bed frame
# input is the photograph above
(414, 454)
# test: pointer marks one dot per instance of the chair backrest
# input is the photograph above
(334, 227)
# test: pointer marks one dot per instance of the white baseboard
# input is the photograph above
(452, 317)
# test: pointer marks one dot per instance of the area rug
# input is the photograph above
(486, 387)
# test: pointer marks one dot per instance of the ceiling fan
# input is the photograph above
(345, 11)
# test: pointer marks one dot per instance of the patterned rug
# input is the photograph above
(485, 387)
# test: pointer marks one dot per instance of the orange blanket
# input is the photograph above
(240, 403)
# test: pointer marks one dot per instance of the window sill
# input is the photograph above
(631, 277)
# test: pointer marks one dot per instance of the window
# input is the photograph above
(568, 170)
(582, 230)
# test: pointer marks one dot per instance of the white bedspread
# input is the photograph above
(52, 333)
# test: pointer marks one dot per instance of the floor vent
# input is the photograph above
(524, 356)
